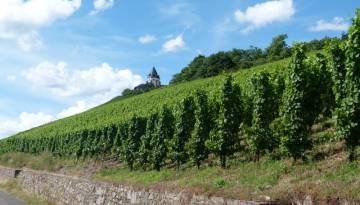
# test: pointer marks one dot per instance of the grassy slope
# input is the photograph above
(280, 179)
(121, 109)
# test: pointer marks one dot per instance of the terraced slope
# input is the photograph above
(122, 109)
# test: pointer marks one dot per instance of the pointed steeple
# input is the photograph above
(154, 78)
(153, 73)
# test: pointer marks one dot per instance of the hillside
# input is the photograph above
(272, 122)
(122, 109)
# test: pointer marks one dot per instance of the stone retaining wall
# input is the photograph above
(69, 190)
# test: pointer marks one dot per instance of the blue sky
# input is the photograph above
(62, 57)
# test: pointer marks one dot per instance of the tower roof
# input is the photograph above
(153, 73)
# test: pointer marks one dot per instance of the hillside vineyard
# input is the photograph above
(267, 109)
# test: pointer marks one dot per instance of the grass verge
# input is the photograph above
(12, 188)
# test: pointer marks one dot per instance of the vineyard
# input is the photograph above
(266, 109)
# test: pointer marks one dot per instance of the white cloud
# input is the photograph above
(87, 88)
(262, 14)
(101, 5)
(35, 13)
(21, 18)
(28, 120)
(30, 41)
(62, 81)
(174, 44)
(11, 77)
(337, 24)
(87, 103)
(182, 13)
(146, 39)
(80, 106)
(24, 122)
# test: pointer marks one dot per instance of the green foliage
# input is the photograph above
(224, 138)
(348, 114)
(184, 124)
(220, 183)
(145, 147)
(121, 137)
(315, 45)
(164, 132)
(338, 72)
(296, 136)
(237, 59)
(196, 145)
(278, 48)
(143, 88)
(318, 95)
(215, 64)
(261, 137)
(132, 142)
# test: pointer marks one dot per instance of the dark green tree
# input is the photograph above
(115, 149)
(110, 139)
(132, 143)
(224, 139)
(80, 150)
(349, 121)
(278, 48)
(218, 63)
(278, 83)
(261, 139)
(164, 131)
(319, 97)
(192, 71)
(145, 147)
(196, 145)
(184, 124)
(296, 137)
(337, 69)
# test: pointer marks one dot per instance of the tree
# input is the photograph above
(218, 63)
(190, 72)
(278, 48)
(115, 149)
(132, 143)
(80, 150)
(120, 139)
(261, 137)
(296, 137)
(110, 138)
(145, 147)
(102, 143)
(338, 71)
(318, 95)
(196, 144)
(278, 83)
(96, 146)
(349, 121)
(127, 92)
(164, 131)
(184, 124)
(224, 138)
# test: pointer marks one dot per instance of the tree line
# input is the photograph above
(236, 59)
(274, 115)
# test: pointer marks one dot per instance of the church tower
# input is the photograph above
(154, 78)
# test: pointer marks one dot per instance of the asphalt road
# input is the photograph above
(5, 199)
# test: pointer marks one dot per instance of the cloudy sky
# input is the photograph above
(62, 57)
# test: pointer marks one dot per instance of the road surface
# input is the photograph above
(5, 199)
